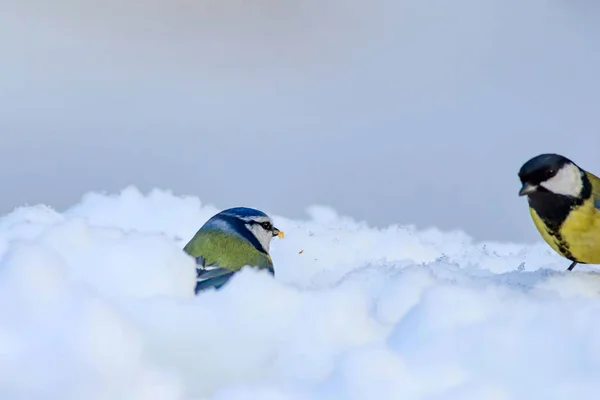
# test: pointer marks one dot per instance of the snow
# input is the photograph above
(97, 303)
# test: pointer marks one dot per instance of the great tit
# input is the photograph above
(564, 203)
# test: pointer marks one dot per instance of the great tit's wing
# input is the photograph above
(595, 181)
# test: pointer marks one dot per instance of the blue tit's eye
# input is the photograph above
(266, 225)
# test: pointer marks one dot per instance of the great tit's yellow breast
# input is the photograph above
(543, 229)
(578, 237)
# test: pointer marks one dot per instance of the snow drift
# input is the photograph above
(97, 303)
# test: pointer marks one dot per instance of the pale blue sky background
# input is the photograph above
(416, 111)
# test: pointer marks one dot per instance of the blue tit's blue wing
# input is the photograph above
(213, 276)
(210, 276)
(201, 262)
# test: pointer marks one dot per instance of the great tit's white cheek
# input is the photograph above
(567, 181)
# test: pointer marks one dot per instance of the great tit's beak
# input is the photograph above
(278, 233)
(527, 189)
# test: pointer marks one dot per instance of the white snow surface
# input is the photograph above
(97, 303)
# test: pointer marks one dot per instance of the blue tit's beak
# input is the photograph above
(527, 189)
(278, 233)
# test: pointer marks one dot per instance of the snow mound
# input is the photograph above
(98, 304)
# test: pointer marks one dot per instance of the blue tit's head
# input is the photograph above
(248, 223)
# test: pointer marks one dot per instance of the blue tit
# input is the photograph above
(230, 240)
(564, 203)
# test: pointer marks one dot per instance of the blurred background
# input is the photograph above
(413, 112)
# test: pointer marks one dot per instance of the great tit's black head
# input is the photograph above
(551, 173)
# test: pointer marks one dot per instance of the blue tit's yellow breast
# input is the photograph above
(578, 237)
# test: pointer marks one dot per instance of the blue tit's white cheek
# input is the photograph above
(263, 236)
(567, 181)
